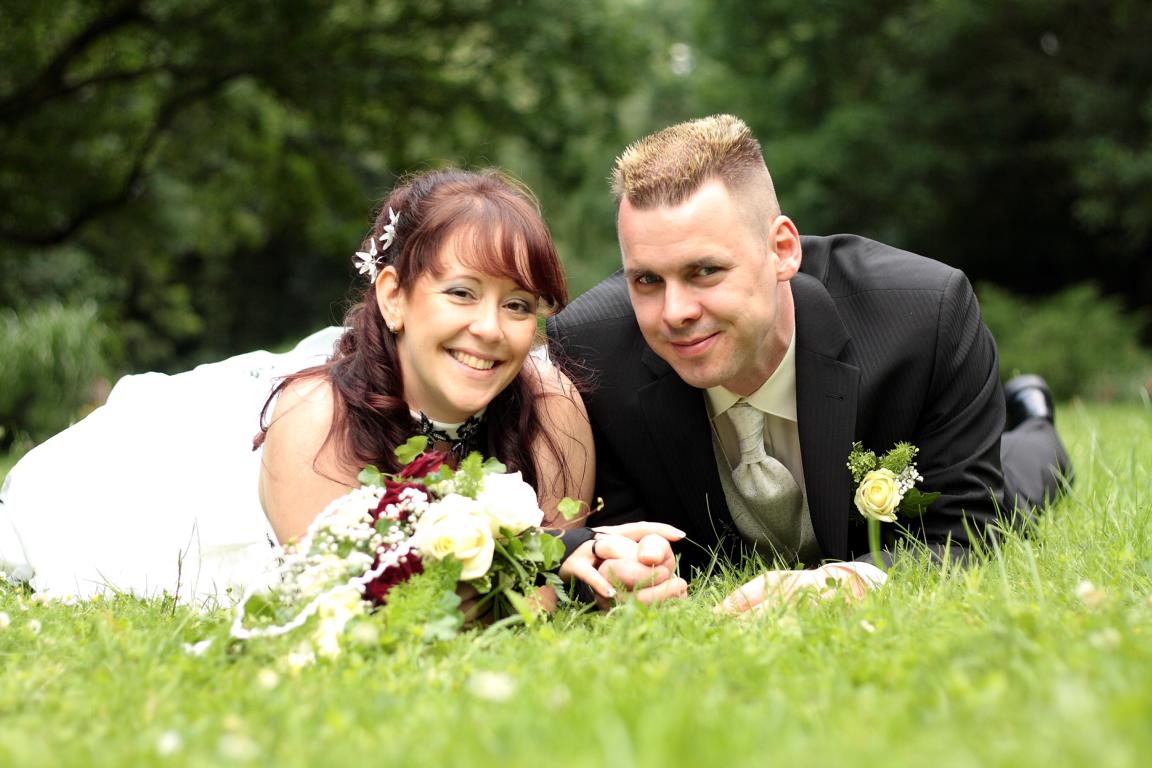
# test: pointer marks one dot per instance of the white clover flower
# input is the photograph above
(1091, 595)
(5, 620)
(867, 626)
(238, 747)
(169, 743)
(1106, 639)
(302, 656)
(559, 697)
(34, 626)
(267, 679)
(492, 686)
(198, 649)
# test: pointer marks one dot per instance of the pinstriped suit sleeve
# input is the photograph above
(961, 422)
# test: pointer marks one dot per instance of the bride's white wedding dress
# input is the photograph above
(155, 491)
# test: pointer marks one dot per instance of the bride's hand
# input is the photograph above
(635, 557)
(542, 599)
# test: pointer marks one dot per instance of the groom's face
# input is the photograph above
(708, 287)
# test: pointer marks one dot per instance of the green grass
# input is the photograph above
(1001, 664)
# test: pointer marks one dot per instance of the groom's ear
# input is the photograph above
(785, 241)
(389, 297)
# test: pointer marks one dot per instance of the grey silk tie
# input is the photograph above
(767, 486)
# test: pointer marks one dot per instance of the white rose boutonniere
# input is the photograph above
(886, 486)
(878, 494)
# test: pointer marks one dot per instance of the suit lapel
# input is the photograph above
(678, 423)
(826, 398)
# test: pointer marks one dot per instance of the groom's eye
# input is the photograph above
(647, 279)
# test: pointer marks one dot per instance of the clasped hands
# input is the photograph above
(638, 558)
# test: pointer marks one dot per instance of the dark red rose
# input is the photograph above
(392, 491)
(424, 464)
(377, 589)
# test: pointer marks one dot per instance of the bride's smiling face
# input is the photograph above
(462, 334)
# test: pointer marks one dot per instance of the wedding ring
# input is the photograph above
(595, 541)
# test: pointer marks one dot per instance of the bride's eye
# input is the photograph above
(521, 306)
(457, 292)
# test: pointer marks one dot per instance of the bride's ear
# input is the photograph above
(390, 299)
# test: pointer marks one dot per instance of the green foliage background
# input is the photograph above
(201, 171)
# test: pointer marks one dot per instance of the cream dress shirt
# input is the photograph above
(776, 397)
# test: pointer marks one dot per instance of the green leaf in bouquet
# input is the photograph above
(413, 447)
(483, 584)
(514, 546)
(262, 608)
(370, 475)
(493, 466)
(426, 606)
(442, 474)
(570, 508)
(469, 475)
(552, 550)
(916, 503)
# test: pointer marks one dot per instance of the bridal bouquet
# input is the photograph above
(406, 544)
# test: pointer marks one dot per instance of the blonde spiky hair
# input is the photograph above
(666, 168)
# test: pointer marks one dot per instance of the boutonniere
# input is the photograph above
(886, 486)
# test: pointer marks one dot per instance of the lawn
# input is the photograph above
(1040, 655)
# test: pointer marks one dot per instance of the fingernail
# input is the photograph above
(681, 533)
(611, 593)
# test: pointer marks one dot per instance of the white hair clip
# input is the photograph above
(368, 263)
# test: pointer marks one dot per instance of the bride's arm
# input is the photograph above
(300, 472)
(565, 420)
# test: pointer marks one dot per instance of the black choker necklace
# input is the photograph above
(460, 437)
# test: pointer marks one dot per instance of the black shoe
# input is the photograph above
(1028, 397)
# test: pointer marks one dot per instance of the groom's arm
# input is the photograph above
(958, 429)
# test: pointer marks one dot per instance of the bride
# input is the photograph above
(160, 490)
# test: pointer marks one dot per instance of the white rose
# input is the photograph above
(509, 503)
(878, 495)
(456, 526)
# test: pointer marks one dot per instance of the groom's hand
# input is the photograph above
(635, 557)
(849, 581)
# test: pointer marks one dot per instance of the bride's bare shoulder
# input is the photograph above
(547, 378)
(305, 403)
(302, 468)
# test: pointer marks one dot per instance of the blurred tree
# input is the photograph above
(205, 168)
(1013, 139)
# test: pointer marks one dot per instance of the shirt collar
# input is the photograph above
(776, 396)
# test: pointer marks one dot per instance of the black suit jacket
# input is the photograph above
(889, 346)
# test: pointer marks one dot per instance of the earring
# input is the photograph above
(391, 326)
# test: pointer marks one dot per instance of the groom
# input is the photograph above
(735, 363)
